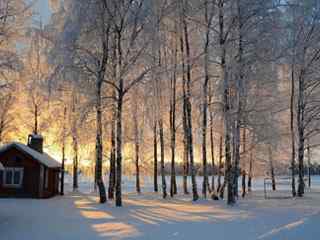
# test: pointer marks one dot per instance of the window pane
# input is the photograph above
(8, 177)
(16, 178)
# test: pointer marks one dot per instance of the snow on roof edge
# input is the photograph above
(42, 158)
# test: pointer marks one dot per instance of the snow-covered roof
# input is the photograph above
(42, 158)
(1, 167)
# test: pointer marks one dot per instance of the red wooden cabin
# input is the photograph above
(28, 171)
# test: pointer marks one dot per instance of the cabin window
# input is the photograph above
(8, 176)
(12, 177)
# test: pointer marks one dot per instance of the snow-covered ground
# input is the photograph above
(78, 216)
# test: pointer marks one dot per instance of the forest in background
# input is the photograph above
(169, 87)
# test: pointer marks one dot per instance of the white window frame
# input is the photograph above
(13, 170)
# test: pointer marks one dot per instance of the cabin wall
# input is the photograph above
(31, 177)
(17, 159)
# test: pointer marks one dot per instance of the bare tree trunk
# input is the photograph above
(244, 155)
(63, 150)
(119, 123)
(112, 171)
(212, 157)
(184, 122)
(309, 163)
(204, 148)
(205, 183)
(227, 107)
(185, 159)
(119, 149)
(300, 116)
(173, 183)
(137, 147)
(220, 165)
(250, 172)
(36, 119)
(1, 130)
(163, 176)
(244, 145)
(74, 143)
(189, 108)
(236, 168)
(239, 99)
(99, 147)
(273, 180)
(228, 164)
(211, 138)
(5, 115)
(293, 144)
(99, 143)
(222, 188)
(155, 158)
(243, 183)
(75, 162)
(137, 143)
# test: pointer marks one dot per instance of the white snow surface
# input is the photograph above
(78, 215)
(43, 158)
